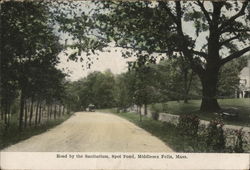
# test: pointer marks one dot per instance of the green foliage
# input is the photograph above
(97, 88)
(29, 55)
(122, 91)
(238, 148)
(175, 81)
(134, 25)
(156, 108)
(229, 77)
(152, 83)
(215, 138)
(144, 28)
(189, 125)
(155, 111)
(141, 36)
(25, 26)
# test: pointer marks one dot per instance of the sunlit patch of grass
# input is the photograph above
(192, 107)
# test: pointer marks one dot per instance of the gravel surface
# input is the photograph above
(92, 132)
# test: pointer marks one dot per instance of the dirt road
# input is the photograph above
(93, 132)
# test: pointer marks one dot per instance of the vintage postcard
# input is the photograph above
(119, 84)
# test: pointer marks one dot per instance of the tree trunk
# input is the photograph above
(187, 83)
(140, 113)
(55, 111)
(9, 114)
(48, 112)
(185, 74)
(209, 81)
(40, 113)
(145, 109)
(27, 104)
(68, 109)
(31, 111)
(60, 109)
(2, 112)
(21, 111)
(5, 113)
(51, 111)
(26, 113)
(37, 110)
(63, 110)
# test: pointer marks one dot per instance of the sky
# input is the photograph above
(112, 60)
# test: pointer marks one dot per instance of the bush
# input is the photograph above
(189, 125)
(215, 139)
(155, 115)
(156, 109)
(238, 148)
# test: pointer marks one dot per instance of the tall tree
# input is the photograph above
(159, 27)
(122, 94)
(29, 44)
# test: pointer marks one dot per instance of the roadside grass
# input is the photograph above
(12, 135)
(192, 107)
(167, 132)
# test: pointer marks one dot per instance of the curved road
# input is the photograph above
(93, 132)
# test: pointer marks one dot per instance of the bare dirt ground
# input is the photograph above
(92, 132)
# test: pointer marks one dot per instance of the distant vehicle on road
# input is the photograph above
(91, 108)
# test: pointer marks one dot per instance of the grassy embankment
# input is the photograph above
(167, 132)
(170, 134)
(192, 107)
(12, 135)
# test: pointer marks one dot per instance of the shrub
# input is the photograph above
(238, 148)
(215, 138)
(156, 109)
(189, 125)
(155, 115)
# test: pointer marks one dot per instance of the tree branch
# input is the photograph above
(183, 45)
(235, 30)
(162, 4)
(240, 13)
(140, 49)
(179, 16)
(228, 40)
(204, 11)
(235, 55)
(200, 53)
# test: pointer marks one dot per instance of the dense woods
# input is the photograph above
(143, 86)
(31, 85)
